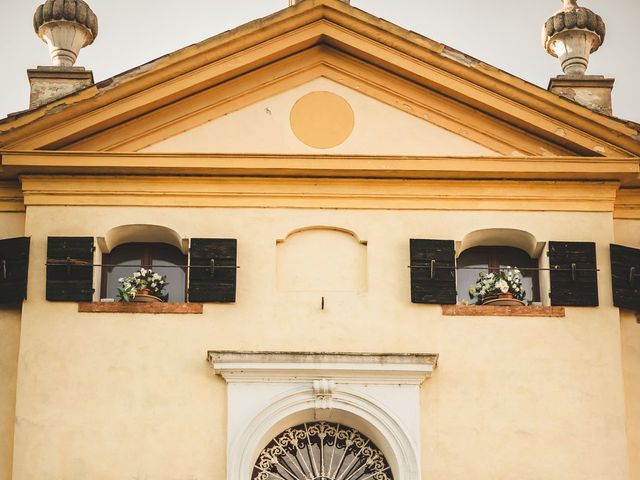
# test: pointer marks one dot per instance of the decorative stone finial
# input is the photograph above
(65, 26)
(572, 34)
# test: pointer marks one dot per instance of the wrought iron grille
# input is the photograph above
(321, 451)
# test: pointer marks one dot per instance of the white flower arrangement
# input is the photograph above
(142, 279)
(493, 284)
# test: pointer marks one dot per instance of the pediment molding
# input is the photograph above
(320, 62)
(431, 66)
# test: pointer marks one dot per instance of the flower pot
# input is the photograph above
(144, 296)
(502, 299)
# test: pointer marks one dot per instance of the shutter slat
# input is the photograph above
(566, 291)
(626, 289)
(221, 287)
(14, 264)
(70, 269)
(441, 289)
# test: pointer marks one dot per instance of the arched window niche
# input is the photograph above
(128, 247)
(328, 445)
(321, 259)
(376, 395)
(494, 249)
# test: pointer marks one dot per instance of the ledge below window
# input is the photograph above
(501, 311)
(156, 307)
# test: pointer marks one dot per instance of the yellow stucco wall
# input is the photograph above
(11, 225)
(631, 365)
(627, 232)
(132, 396)
(9, 345)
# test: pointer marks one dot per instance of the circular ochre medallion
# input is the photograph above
(322, 119)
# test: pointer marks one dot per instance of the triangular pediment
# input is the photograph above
(441, 95)
(321, 116)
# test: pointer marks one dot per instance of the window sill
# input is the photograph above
(501, 311)
(121, 307)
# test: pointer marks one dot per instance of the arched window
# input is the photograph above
(164, 259)
(321, 450)
(490, 260)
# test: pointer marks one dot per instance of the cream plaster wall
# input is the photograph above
(9, 345)
(627, 232)
(630, 325)
(114, 396)
(299, 255)
(264, 128)
(11, 225)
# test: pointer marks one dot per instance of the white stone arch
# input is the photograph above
(376, 394)
(350, 408)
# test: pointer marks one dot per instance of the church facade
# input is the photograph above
(322, 191)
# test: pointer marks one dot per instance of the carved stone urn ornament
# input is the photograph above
(65, 26)
(573, 34)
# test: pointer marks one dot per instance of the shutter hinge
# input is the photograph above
(573, 272)
(432, 272)
(68, 263)
(4, 269)
(632, 274)
(212, 267)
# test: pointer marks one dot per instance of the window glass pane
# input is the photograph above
(129, 255)
(165, 260)
(513, 257)
(485, 259)
(475, 260)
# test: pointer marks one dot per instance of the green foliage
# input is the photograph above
(142, 279)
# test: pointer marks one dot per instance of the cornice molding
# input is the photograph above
(304, 367)
(623, 170)
(11, 198)
(627, 205)
(354, 193)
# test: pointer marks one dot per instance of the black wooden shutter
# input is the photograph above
(212, 270)
(433, 271)
(70, 269)
(625, 277)
(14, 263)
(574, 276)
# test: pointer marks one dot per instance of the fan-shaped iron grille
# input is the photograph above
(321, 451)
